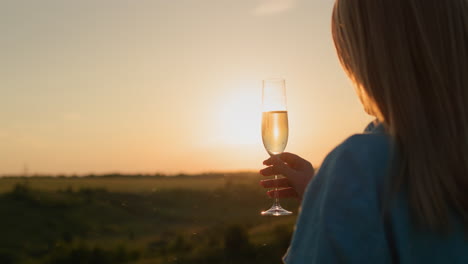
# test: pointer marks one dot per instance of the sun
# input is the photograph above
(239, 118)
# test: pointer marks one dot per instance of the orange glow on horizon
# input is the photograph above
(147, 91)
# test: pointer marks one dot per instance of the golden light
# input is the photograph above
(239, 117)
(276, 132)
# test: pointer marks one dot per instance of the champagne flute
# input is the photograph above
(274, 129)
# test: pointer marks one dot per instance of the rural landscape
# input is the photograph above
(131, 131)
(210, 218)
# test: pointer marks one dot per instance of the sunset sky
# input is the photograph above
(165, 85)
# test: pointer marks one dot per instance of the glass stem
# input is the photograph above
(276, 203)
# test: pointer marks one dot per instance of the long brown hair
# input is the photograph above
(409, 58)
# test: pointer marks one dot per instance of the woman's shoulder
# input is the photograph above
(365, 144)
(341, 208)
(374, 139)
(361, 159)
(367, 149)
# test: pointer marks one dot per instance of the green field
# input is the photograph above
(140, 219)
(129, 183)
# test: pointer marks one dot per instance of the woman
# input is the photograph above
(397, 193)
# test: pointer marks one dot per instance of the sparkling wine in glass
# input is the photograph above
(274, 128)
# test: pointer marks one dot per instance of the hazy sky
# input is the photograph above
(164, 85)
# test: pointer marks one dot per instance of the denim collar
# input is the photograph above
(375, 127)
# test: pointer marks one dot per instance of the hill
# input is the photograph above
(141, 219)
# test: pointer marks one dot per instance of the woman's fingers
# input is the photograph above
(283, 182)
(294, 161)
(291, 159)
(284, 193)
(277, 170)
(269, 171)
(278, 167)
(286, 157)
(271, 159)
(297, 170)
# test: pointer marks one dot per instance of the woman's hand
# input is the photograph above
(298, 173)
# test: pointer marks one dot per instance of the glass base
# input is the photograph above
(276, 210)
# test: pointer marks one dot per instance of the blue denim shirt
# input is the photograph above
(341, 218)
